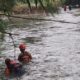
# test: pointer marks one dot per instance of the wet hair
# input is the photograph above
(7, 61)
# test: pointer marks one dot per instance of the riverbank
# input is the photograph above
(25, 10)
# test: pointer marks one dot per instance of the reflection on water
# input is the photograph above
(55, 48)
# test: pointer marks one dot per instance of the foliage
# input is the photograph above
(7, 5)
(52, 5)
(72, 2)
(63, 2)
(3, 26)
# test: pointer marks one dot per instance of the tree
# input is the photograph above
(6, 6)
(72, 2)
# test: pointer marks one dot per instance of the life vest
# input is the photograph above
(7, 72)
(15, 65)
(26, 59)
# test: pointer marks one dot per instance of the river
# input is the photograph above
(54, 46)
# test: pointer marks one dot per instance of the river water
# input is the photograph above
(54, 46)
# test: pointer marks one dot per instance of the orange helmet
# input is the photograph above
(22, 46)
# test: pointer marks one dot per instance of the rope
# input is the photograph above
(13, 45)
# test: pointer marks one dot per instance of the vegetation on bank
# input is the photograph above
(47, 5)
(7, 7)
(71, 2)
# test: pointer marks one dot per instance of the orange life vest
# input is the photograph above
(13, 62)
(7, 72)
(26, 59)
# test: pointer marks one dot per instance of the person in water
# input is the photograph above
(24, 57)
(70, 8)
(12, 67)
(65, 7)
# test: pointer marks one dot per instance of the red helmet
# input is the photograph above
(22, 46)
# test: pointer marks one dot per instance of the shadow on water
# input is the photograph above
(32, 40)
(2, 37)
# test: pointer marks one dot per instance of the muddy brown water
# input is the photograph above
(54, 46)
